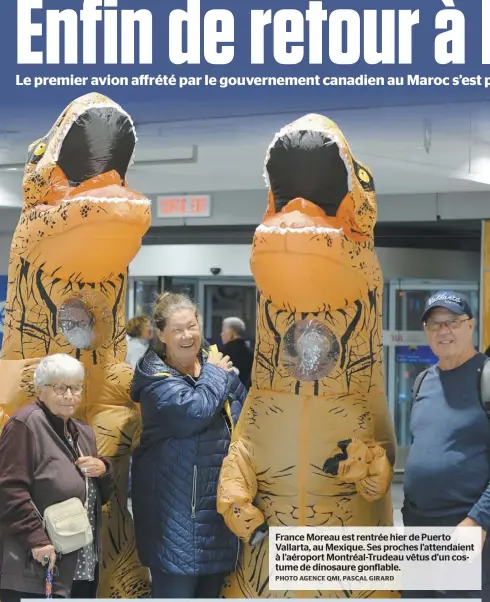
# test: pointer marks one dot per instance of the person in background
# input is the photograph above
(140, 333)
(234, 345)
(447, 472)
(190, 402)
(46, 456)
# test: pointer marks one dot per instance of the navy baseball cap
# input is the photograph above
(450, 300)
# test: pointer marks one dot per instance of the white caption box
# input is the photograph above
(375, 558)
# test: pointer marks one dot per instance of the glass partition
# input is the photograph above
(145, 293)
(225, 300)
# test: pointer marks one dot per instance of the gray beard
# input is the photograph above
(80, 338)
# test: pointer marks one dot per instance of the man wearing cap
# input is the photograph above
(447, 472)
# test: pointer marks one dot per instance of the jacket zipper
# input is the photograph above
(227, 425)
(194, 493)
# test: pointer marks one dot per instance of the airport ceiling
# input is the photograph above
(413, 149)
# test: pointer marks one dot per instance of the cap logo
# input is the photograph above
(444, 297)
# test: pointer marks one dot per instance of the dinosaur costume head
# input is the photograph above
(314, 445)
(77, 204)
(322, 205)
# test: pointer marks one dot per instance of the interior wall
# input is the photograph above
(8, 223)
(5, 242)
(234, 260)
(248, 207)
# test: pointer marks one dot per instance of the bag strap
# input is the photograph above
(417, 384)
(37, 511)
(484, 386)
(85, 504)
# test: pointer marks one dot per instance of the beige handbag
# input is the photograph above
(67, 524)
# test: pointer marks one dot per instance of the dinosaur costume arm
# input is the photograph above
(236, 492)
(366, 465)
(185, 410)
(16, 377)
(105, 483)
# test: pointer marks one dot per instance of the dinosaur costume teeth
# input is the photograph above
(308, 229)
(314, 445)
(80, 227)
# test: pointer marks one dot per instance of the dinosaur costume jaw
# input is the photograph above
(78, 210)
(322, 206)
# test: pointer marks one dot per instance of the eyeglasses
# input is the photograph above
(452, 324)
(62, 389)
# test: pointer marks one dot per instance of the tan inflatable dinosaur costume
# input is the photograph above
(314, 445)
(79, 229)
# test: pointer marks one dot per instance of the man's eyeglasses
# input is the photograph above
(62, 389)
(452, 324)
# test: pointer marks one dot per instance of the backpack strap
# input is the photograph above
(484, 386)
(417, 384)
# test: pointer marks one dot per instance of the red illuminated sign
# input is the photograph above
(184, 206)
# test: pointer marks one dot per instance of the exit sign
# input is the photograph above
(184, 206)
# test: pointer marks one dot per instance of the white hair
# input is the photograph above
(57, 367)
(237, 325)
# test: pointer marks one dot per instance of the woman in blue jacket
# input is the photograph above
(190, 399)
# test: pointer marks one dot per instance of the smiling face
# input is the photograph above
(181, 336)
(76, 195)
(449, 335)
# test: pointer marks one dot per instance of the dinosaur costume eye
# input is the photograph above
(40, 150)
(36, 152)
(364, 177)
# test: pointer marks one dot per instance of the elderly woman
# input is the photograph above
(190, 401)
(48, 457)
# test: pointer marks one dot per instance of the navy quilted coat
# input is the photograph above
(175, 468)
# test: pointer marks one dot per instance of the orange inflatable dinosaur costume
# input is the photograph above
(314, 445)
(79, 229)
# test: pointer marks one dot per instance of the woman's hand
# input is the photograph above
(91, 467)
(216, 358)
(45, 555)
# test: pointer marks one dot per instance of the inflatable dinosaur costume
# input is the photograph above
(79, 229)
(314, 445)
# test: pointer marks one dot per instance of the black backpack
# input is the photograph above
(483, 381)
